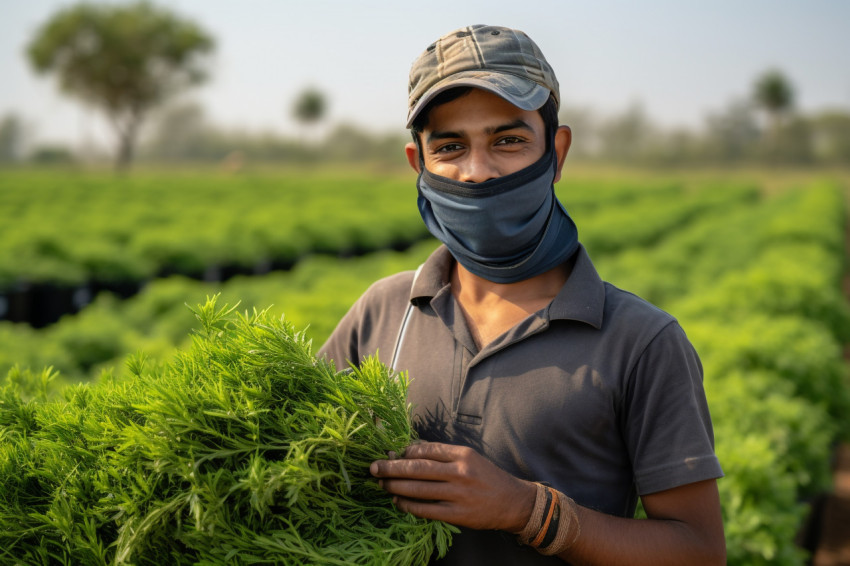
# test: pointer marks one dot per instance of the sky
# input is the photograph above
(679, 59)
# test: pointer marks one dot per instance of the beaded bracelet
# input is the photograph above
(553, 526)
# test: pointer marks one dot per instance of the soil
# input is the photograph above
(832, 515)
(829, 541)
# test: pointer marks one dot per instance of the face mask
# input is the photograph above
(504, 230)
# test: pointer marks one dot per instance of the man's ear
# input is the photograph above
(412, 152)
(563, 139)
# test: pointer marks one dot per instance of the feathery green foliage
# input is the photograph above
(245, 449)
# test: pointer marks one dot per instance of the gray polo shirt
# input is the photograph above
(599, 395)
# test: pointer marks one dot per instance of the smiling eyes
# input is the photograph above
(448, 148)
(508, 140)
(504, 142)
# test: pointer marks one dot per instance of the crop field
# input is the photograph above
(751, 266)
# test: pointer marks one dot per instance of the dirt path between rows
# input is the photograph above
(832, 546)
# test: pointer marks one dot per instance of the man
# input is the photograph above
(547, 400)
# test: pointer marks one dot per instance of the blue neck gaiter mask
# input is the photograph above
(504, 230)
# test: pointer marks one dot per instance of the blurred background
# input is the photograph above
(155, 154)
(661, 83)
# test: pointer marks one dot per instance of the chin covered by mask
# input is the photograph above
(504, 230)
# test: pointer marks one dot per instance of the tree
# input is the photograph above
(775, 95)
(11, 138)
(123, 59)
(178, 132)
(309, 107)
(732, 133)
(584, 124)
(831, 132)
(626, 137)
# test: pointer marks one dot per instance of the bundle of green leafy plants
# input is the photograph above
(245, 449)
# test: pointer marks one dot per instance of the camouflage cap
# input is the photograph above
(501, 60)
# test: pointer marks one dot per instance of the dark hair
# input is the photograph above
(549, 112)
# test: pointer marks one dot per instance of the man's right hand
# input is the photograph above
(457, 485)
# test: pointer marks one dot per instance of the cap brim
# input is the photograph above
(519, 91)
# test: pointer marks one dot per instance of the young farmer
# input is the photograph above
(548, 401)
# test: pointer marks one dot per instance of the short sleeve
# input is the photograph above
(667, 425)
(371, 324)
(342, 345)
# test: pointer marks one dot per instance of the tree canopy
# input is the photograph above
(773, 92)
(123, 59)
(310, 106)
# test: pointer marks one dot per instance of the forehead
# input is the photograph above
(479, 110)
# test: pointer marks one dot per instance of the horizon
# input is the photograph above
(680, 63)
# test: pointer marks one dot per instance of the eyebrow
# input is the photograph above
(517, 124)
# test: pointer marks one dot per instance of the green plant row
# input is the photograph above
(72, 228)
(770, 333)
(727, 239)
(315, 294)
(758, 289)
(244, 449)
(634, 224)
(319, 290)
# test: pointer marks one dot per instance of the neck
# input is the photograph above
(479, 290)
(490, 309)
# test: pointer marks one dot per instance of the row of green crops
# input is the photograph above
(319, 289)
(315, 293)
(73, 228)
(754, 279)
(758, 290)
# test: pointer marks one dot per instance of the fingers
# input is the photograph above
(434, 451)
(419, 469)
(455, 484)
(420, 490)
(437, 510)
(422, 461)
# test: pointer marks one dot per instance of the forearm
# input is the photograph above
(606, 539)
(457, 485)
(684, 527)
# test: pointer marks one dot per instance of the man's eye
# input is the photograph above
(510, 140)
(449, 148)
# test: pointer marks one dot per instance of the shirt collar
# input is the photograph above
(582, 298)
(433, 275)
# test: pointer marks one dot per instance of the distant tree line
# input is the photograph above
(734, 135)
(762, 128)
(183, 133)
(129, 60)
